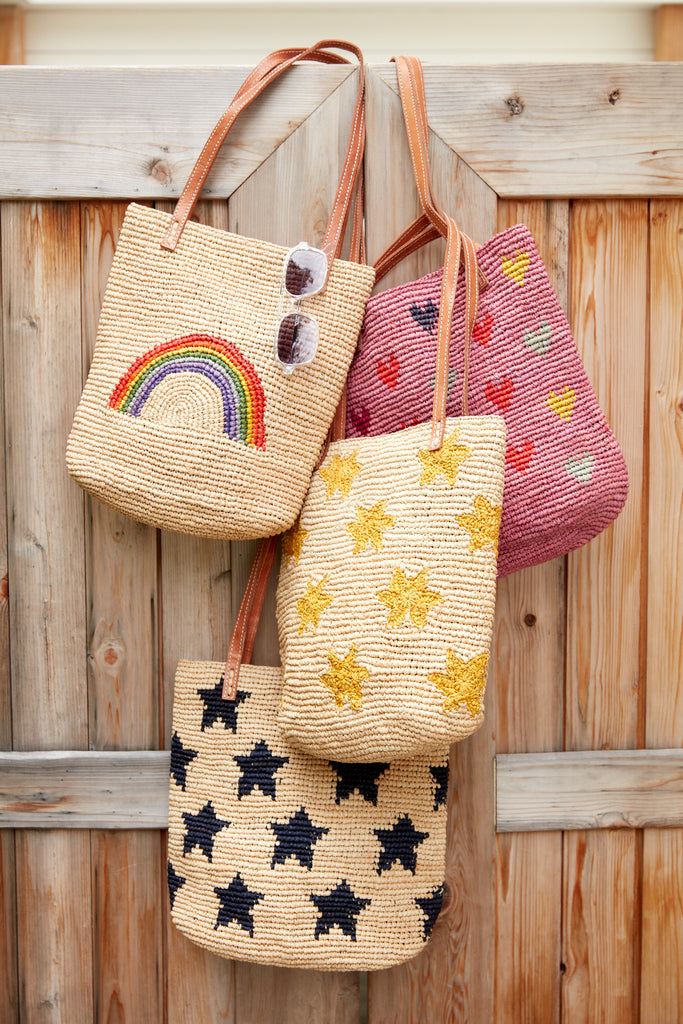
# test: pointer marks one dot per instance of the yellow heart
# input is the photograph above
(562, 405)
(516, 268)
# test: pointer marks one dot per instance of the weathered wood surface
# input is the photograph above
(549, 130)
(589, 789)
(74, 133)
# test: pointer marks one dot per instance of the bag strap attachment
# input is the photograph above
(259, 79)
(246, 624)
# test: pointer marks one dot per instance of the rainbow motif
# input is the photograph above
(219, 361)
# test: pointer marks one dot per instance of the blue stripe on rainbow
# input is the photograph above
(220, 362)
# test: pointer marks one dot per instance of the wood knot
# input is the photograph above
(529, 619)
(4, 589)
(109, 651)
(614, 96)
(514, 105)
(160, 171)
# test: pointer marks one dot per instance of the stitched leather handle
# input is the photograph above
(415, 236)
(244, 631)
(259, 79)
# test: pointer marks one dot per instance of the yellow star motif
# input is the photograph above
(293, 539)
(313, 603)
(339, 473)
(408, 596)
(447, 460)
(483, 524)
(345, 678)
(369, 526)
(462, 683)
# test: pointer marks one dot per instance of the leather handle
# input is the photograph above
(246, 624)
(258, 80)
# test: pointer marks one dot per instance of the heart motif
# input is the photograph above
(426, 316)
(562, 405)
(520, 457)
(388, 372)
(500, 394)
(452, 377)
(361, 420)
(516, 268)
(539, 340)
(581, 469)
(483, 329)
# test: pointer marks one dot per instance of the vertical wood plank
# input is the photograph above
(604, 636)
(41, 314)
(669, 32)
(288, 199)
(12, 39)
(453, 979)
(529, 653)
(121, 575)
(662, 920)
(8, 888)
(196, 619)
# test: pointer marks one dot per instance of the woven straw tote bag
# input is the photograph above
(387, 589)
(278, 857)
(565, 475)
(208, 402)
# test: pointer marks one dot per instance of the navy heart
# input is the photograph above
(425, 316)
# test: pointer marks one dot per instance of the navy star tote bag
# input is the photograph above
(277, 857)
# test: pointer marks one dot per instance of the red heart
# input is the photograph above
(520, 457)
(388, 372)
(483, 329)
(361, 420)
(500, 394)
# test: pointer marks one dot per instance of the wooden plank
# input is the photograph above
(589, 789)
(41, 314)
(561, 130)
(529, 661)
(121, 574)
(669, 32)
(603, 635)
(453, 979)
(110, 134)
(196, 619)
(9, 996)
(662, 917)
(305, 169)
(12, 35)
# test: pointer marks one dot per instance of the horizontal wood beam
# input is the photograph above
(589, 789)
(534, 792)
(561, 130)
(125, 133)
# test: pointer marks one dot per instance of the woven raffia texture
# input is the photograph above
(565, 476)
(186, 421)
(387, 590)
(280, 858)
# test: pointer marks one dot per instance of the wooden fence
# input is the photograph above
(566, 809)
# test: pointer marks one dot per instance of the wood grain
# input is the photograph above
(669, 32)
(518, 126)
(80, 133)
(662, 919)
(603, 633)
(12, 35)
(42, 353)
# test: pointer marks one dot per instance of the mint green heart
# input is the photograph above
(539, 340)
(582, 469)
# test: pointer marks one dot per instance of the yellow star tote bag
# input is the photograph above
(386, 594)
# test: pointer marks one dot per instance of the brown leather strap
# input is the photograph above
(449, 283)
(415, 236)
(244, 631)
(272, 67)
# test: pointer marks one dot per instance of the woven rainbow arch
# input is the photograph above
(219, 361)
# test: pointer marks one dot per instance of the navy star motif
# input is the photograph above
(296, 838)
(362, 777)
(180, 759)
(201, 829)
(237, 903)
(430, 906)
(216, 708)
(174, 883)
(400, 843)
(339, 907)
(439, 773)
(258, 769)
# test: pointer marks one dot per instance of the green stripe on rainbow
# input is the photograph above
(220, 362)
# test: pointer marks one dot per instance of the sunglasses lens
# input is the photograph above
(305, 272)
(297, 339)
